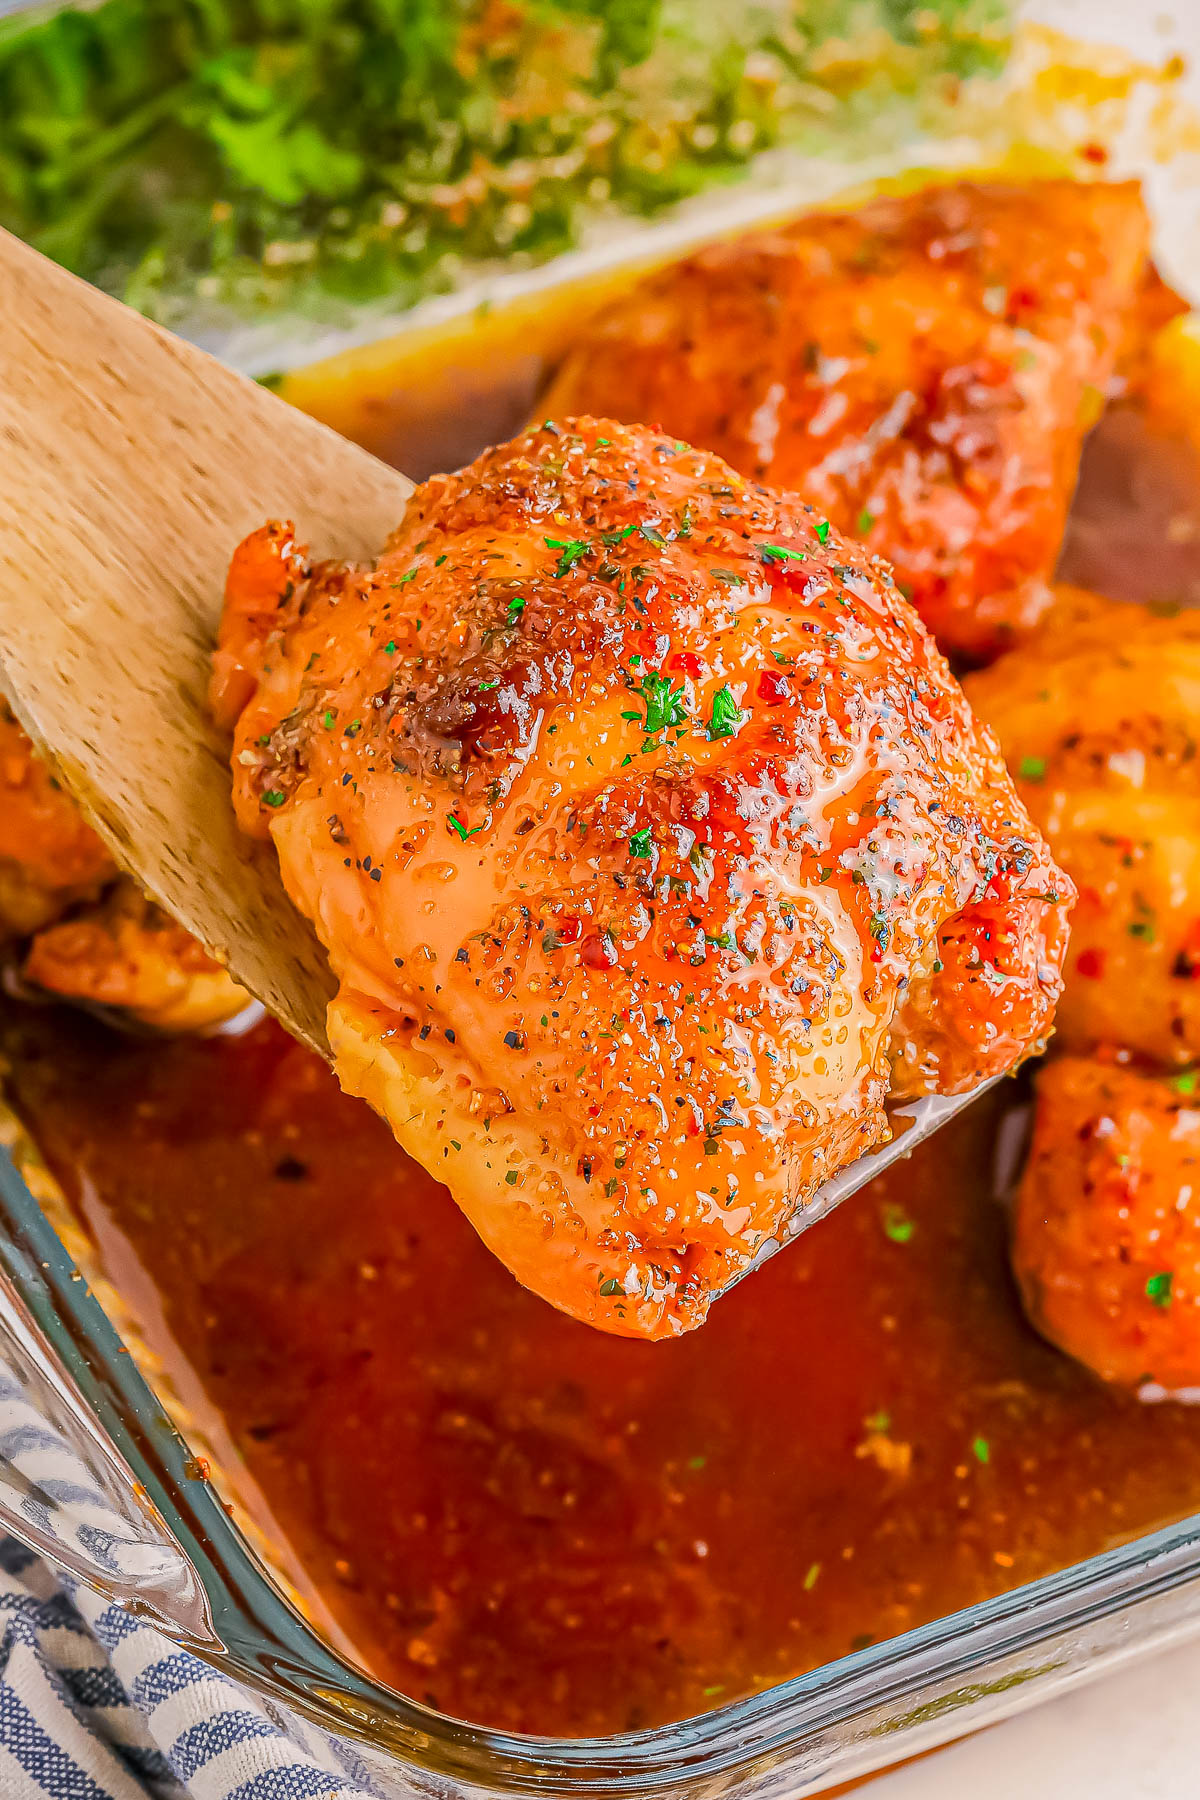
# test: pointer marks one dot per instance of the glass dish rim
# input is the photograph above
(266, 1642)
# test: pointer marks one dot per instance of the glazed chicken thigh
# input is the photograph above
(652, 842)
(1098, 718)
(93, 935)
(1106, 1241)
(923, 370)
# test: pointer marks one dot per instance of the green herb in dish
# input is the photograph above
(210, 160)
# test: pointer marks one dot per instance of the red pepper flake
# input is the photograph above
(772, 688)
(569, 930)
(599, 952)
(1093, 153)
(1090, 964)
(687, 664)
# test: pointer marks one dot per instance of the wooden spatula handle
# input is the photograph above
(131, 463)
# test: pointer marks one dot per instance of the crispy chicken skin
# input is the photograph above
(1106, 1244)
(49, 856)
(643, 824)
(124, 952)
(95, 936)
(923, 370)
(1097, 716)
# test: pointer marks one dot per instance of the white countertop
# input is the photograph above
(1131, 1736)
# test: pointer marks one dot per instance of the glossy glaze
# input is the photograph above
(653, 844)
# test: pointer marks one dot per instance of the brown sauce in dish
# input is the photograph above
(533, 1525)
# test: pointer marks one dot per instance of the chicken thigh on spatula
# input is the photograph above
(653, 845)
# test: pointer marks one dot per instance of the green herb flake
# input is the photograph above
(1032, 768)
(823, 532)
(981, 1450)
(516, 607)
(1185, 1083)
(866, 521)
(896, 1224)
(664, 703)
(572, 550)
(611, 1287)
(274, 797)
(778, 553)
(641, 843)
(329, 720)
(812, 1577)
(460, 830)
(1158, 1289)
(727, 716)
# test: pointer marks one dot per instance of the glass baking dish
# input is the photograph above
(145, 1506)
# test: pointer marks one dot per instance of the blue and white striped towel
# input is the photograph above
(97, 1706)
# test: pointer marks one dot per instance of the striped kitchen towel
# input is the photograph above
(97, 1706)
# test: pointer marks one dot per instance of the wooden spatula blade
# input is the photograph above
(132, 464)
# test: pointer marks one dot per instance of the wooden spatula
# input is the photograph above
(130, 466)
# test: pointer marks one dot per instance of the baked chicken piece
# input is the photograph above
(923, 370)
(1106, 1243)
(96, 938)
(1099, 717)
(49, 856)
(125, 953)
(651, 841)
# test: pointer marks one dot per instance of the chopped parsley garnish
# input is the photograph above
(1158, 1288)
(1032, 768)
(485, 687)
(404, 578)
(1185, 1083)
(614, 537)
(896, 1223)
(274, 797)
(640, 842)
(572, 550)
(823, 532)
(865, 521)
(727, 715)
(516, 607)
(456, 825)
(778, 553)
(390, 647)
(664, 704)
(329, 720)
(981, 1450)
(654, 536)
